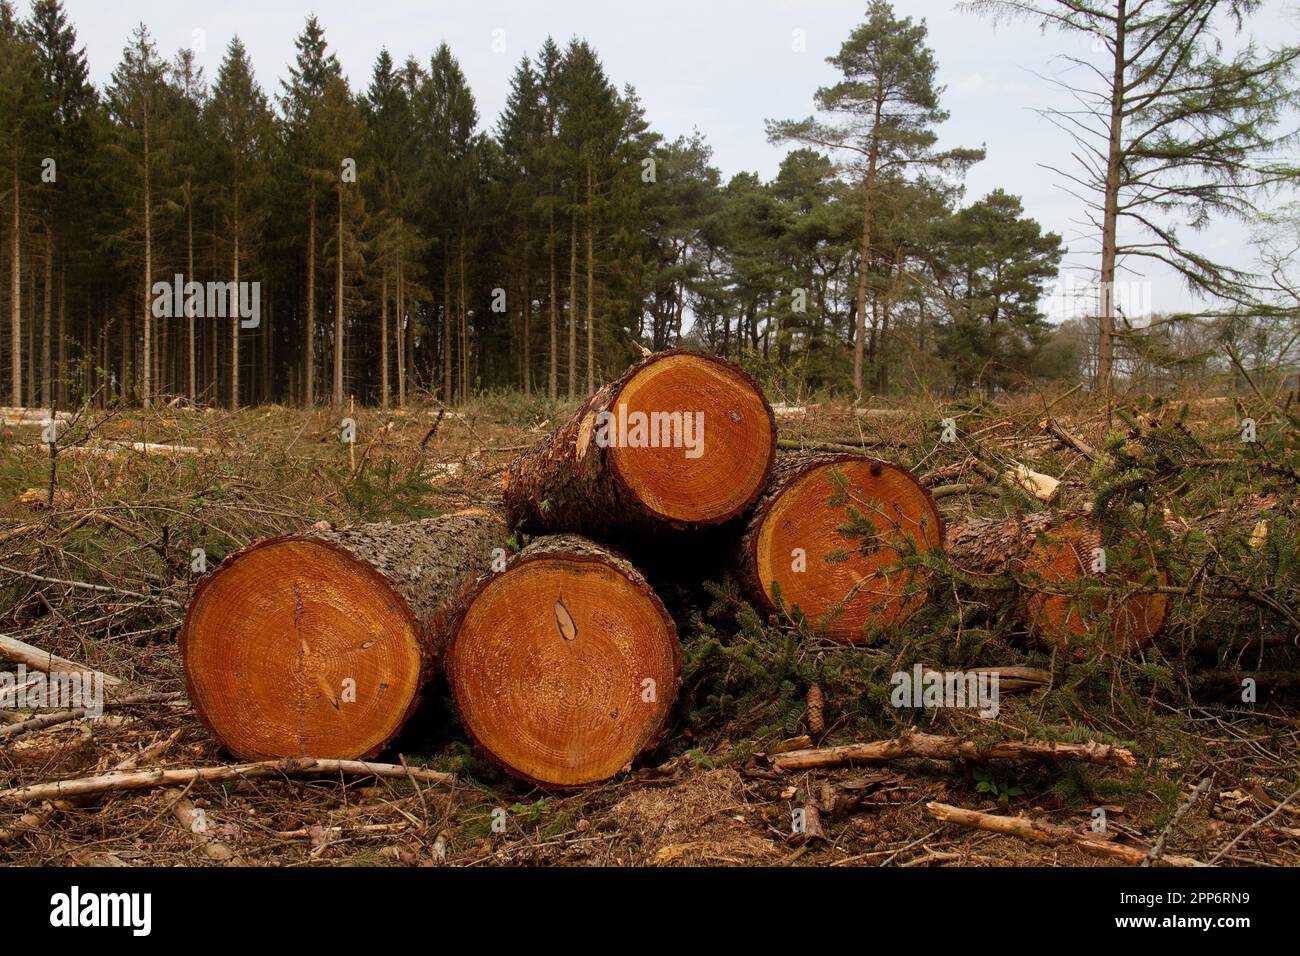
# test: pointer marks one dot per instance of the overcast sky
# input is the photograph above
(722, 66)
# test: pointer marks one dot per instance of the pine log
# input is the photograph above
(798, 542)
(1051, 559)
(703, 459)
(317, 644)
(565, 666)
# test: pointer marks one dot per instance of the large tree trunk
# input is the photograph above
(1069, 581)
(701, 460)
(309, 354)
(317, 644)
(565, 666)
(829, 534)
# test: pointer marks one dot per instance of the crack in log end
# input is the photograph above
(564, 620)
(302, 669)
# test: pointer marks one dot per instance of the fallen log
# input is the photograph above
(149, 779)
(683, 440)
(1039, 831)
(933, 747)
(828, 535)
(318, 643)
(565, 666)
(1069, 587)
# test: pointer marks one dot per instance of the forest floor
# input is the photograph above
(129, 523)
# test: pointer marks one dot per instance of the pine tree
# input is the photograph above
(239, 132)
(301, 102)
(890, 102)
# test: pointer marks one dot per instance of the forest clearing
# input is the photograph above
(103, 578)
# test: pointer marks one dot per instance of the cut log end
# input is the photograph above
(843, 578)
(1064, 558)
(730, 423)
(296, 648)
(564, 667)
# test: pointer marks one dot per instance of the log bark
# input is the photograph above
(702, 458)
(1049, 564)
(799, 541)
(564, 666)
(932, 747)
(317, 644)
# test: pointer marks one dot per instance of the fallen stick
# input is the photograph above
(320, 833)
(102, 588)
(1058, 431)
(934, 747)
(12, 649)
(1050, 834)
(111, 449)
(63, 716)
(149, 779)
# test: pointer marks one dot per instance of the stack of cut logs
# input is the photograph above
(562, 661)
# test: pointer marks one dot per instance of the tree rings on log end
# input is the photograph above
(1062, 610)
(293, 647)
(565, 666)
(721, 438)
(843, 571)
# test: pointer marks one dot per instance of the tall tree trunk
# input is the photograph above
(528, 312)
(383, 341)
(267, 339)
(309, 353)
(16, 296)
(1109, 225)
(446, 321)
(551, 382)
(401, 328)
(234, 318)
(189, 312)
(146, 360)
(47, 378)
(61, 383)
(591, 290)
(338, 312)
(864, 263)
(573, 305)
(463, 322)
